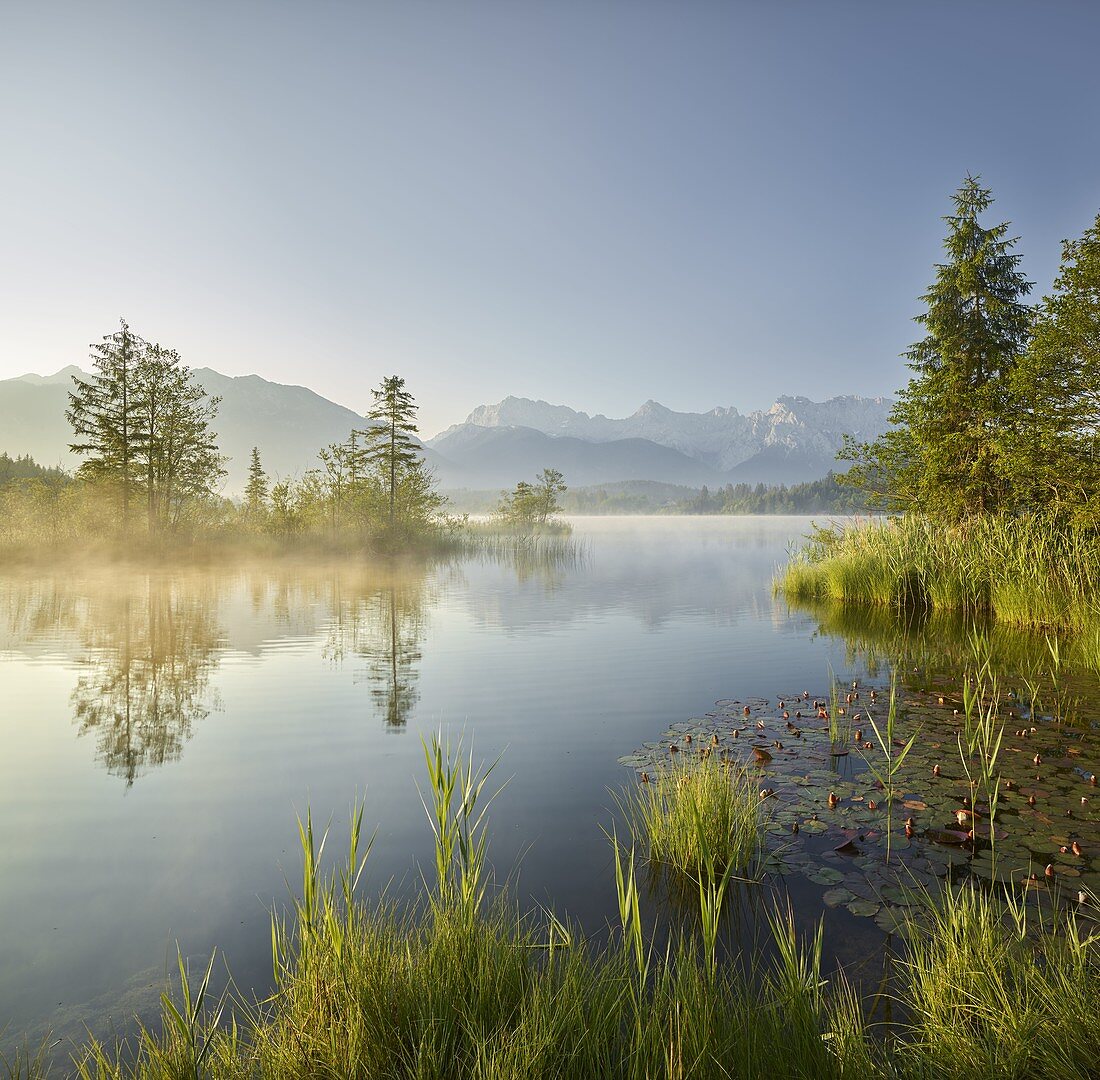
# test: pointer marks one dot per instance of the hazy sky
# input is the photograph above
(592, 203)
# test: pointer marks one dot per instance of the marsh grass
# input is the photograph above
(991, 995)
(699, 816)
(1027, 571)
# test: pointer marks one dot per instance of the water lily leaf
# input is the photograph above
(947, 836)
(892, 921)
(863, 907)
(837, 896)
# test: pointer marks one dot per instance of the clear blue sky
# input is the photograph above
(593, 203)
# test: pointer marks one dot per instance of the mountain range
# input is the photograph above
(795, 440)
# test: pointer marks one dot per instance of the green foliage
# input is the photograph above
(143, 427)
(257, 489)
(990, 995)
(1050, 453)
(14, 470)
(531, 506)
(698, 814)
(429, 991)
(1002, 413)
(885, 770)
(1029, 570)
(829, 495)
(391, 449)
(941, 451)
(458, 825)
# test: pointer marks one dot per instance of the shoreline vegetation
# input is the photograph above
(1028, 571)
(460, 984)
(991, 466)
(147, 485)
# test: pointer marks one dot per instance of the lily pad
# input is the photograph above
(863, 908)
(837, 896)
(826, 875)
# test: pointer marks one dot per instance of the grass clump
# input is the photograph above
(1024, 570)
(990, 995)
(698, 813)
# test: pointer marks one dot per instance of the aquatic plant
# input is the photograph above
(458, 824)
(1026, 570)
(886, 770)
(840, 721)
(990, 995)
(370, 989)
(374, 990)
(697, 816)
(982, 736)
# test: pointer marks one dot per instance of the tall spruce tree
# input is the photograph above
(105, 414)
(1053, 447)
(257, 488)
(942, 452)
(391, 445)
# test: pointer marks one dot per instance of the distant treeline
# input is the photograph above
(827, 495)
(815, 497)
(26, 468)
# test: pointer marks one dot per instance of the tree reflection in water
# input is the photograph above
(148, 643)
(383, 621)
(146, 676)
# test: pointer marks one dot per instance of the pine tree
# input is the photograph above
(391, 446)
(256, 490)
(1051, 449)
(104, 412)
(942, 451)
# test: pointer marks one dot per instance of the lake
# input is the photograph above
(160, 731)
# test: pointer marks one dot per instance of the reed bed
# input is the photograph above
(1026, 571)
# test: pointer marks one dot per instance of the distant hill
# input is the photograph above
(498, 457)
(13, 470)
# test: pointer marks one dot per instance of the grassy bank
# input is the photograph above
(1025, 571)
(458, 985)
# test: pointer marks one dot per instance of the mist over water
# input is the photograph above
(161, 729)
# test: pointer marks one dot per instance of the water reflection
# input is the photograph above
(1045, 671)
(145, 679)
(146, 645)
(386, 627)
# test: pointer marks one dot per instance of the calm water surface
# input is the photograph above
(159, 732)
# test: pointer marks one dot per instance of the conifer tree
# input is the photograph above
(1051, 449)
(144, 425)
(104, 412)
(391, 446)
(941, 454)
(256, 490)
